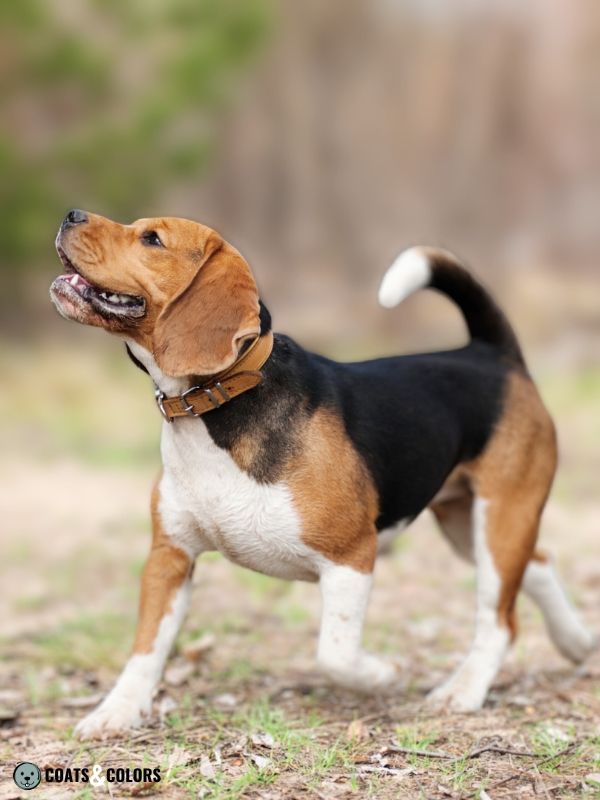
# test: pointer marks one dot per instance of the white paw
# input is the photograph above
(113, 716)
(576, 644)
(457, 695)
(366, 674)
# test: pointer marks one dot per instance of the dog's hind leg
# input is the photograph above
(510, 482)
(503, 539)
(540, 581)
(542, 585)
(453, 513)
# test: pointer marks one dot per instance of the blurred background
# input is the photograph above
(320, 139)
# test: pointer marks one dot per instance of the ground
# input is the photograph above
(242, 713)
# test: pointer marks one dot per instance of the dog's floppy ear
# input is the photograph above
(200, 331)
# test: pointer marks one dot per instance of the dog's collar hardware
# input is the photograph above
(212, 396)
(160, 397)
(242, 375)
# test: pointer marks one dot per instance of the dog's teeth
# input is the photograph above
(114, 298)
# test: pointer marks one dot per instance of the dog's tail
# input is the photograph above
(426, 267)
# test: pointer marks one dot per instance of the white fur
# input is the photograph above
(170, 386)
(131, 698)
(410, 272)
(467, 688)
(208, 503)
(345, 593)
(566, 630)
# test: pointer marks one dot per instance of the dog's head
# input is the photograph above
(171, 285)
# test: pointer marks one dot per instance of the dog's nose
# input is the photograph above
(75, 217)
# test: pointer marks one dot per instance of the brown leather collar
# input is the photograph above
(242, 375)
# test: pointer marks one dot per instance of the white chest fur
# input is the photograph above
(209, 503)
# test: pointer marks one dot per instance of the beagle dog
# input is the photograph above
(293, 465)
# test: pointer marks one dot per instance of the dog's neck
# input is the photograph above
(145, 360)
(170, 386)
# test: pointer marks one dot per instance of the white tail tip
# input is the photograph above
(409, 272)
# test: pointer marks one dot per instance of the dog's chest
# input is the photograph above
(208, 503)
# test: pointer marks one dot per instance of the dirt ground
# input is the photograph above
(250, 717)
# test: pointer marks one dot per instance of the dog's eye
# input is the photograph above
(151, 238)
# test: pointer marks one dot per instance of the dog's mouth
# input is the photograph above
(75, 287)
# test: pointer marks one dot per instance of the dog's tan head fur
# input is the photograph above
(172, 285)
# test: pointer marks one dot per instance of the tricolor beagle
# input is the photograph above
(292, 464)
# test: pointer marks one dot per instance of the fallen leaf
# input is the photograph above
(178, 674)
(520, 700)
(239, 745)
(263, 740)
(84, 701)
(178, 757)
(261, 761)
(357, 731)
(207, 769)
(166, 706)
(593, 777)
(226, 700)
(144, 788)
(196, 649)
(383, 770)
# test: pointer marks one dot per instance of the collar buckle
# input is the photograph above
(208, 391)
(242, 375)
(160, 397)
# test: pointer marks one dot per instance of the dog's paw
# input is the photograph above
(576, 643)
(113, 717)
(366, 674)
(457, 695)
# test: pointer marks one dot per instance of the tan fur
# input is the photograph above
(166, 569)
(334, 494)
(202, 302)
(246, 449)
(454, 518)
(201, 330)
(201, 297)
(540, 556)
(514, 474)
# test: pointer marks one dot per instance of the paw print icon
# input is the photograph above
(27, 775)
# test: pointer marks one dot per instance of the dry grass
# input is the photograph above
(251, 718)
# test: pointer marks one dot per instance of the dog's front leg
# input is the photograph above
(345, 593)
(164, 598)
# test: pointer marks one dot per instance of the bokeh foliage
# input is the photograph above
(107, 105)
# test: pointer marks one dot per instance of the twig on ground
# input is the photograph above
(447, 756)
(525, 773)
(492, 748)
(415, 751)
(539, 783)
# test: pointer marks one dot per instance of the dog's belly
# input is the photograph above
(208, 503)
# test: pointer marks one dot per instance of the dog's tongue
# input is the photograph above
(77, 281)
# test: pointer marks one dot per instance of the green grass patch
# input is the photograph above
(85, 642)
